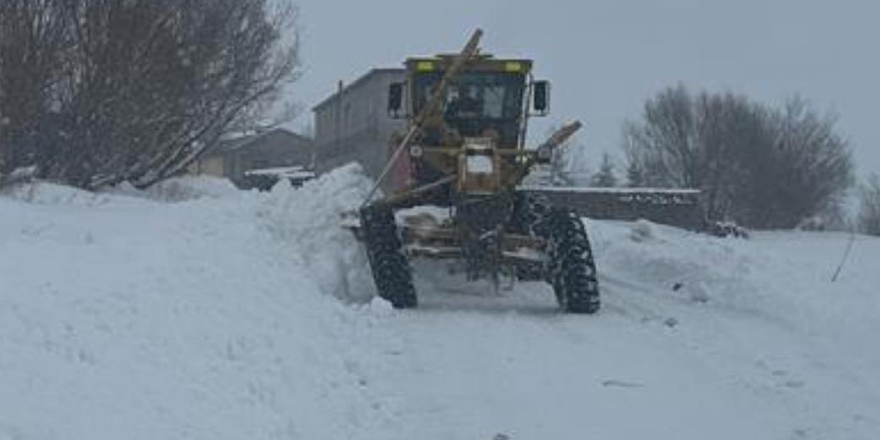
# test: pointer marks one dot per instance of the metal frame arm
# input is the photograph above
(470, 50)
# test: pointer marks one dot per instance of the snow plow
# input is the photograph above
(464, 151)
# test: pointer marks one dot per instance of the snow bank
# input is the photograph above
(763, 311)
(308, 221)
(183, 188)
(129, 318)
(782, 276)
(176, 189)
(685, 265)
(46, 193)
(218, 317)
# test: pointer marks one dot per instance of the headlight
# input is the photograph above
(480, 164)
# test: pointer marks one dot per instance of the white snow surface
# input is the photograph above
(203, 312)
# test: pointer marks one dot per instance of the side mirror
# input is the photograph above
(541, 97)
(395, 98)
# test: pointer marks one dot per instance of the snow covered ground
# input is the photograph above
(197, 311)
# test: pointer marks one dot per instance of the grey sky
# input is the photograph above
(606, 57)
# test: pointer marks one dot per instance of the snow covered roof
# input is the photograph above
(238, 141)
(282, 172)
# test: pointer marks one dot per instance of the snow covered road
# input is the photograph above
(243, 315)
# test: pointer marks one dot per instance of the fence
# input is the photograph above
(676, 207)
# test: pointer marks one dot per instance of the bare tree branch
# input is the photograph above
(762, 167)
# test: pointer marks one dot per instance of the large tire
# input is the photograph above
(572, 270)
(529, 211)
(391, 270)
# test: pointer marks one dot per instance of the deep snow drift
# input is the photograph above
(199, 311)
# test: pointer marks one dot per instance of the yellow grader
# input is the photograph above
(464, 150)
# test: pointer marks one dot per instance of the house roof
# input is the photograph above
(248, 140)
(363, 78)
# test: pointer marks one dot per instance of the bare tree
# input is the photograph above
(732, 138)
(869, 214)
(805, 172)
(146, 85)
(692, 142)
(759, 166)
(663, 147)
(32, 43)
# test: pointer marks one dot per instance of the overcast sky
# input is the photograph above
(606, 57)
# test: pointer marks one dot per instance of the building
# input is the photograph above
(234, 157)
(353, 124)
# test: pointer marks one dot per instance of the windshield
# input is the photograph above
(475, 95)
(477, 101)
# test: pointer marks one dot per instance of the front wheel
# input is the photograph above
(529, 211)
(572, 270)
(391, 270)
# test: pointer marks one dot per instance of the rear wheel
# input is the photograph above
(572, 270)
(391, 270)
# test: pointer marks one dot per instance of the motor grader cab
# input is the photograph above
(478, 128)
(464, 149)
